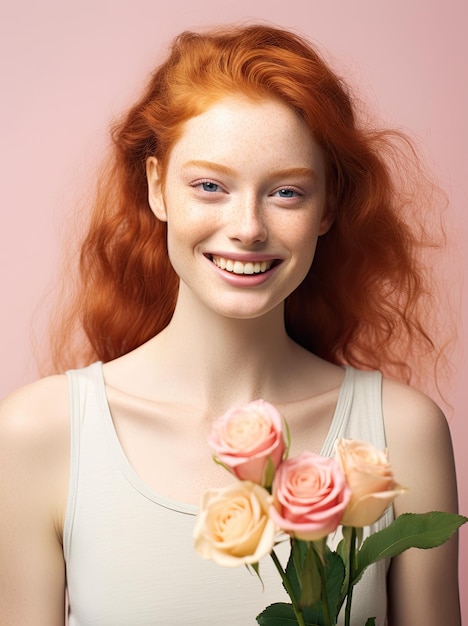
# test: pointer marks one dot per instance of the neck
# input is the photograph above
(224, 360)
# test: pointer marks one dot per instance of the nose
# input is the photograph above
(247, 222)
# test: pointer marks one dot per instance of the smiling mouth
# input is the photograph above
(239, 267)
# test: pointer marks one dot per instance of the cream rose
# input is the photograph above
(249, 441)
(233, 526)
(370, 478)
(310, 496)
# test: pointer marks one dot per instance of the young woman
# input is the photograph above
(248, 241)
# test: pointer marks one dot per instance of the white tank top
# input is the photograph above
(129, 551)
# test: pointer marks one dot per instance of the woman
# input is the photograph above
(248, 240)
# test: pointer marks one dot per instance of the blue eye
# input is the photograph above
(209, 186)
(286, 193)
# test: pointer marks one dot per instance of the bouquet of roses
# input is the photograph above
(307, 498)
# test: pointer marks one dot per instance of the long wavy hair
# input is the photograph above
(365, 298)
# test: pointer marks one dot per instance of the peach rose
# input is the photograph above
(249, 441)
(370, 478)
(233, 526)
(310, 496)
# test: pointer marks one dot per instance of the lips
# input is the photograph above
(236, 266)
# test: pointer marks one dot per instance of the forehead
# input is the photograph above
(244, 130)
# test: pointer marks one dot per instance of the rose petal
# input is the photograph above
(370, 478)
(233, 526)
(247, 439)
(310, 496)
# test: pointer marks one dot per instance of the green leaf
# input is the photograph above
(287, 439)
(218, 462)
(410, 530)
(370, 621)
(335, 573)
(295, 564)
(311, 581)
(343, 550)
(255, 567)
(335, 578)
(279, 614)
(268, 474)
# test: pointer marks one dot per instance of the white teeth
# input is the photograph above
(238, 267)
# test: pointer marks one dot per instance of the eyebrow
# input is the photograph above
(216, 167)
(228, 171)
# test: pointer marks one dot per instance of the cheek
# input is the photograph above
(302, 225)
(189, 222)
(184, 234)
(303, 245)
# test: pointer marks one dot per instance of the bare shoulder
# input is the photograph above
(412, 419)
(36, 413)
(34, 440)
(420, 449)
(34, 470)
(411, 414)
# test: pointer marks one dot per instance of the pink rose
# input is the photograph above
(310, 496)
(370, 478)
(233, 526)
(249, 441)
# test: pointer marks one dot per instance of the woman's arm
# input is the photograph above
(34, 452)
(423, 584)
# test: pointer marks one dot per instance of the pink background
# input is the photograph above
(67, 67)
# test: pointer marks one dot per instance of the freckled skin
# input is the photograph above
(241, 204)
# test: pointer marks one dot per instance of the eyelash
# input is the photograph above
(200, 184)
(295, 191)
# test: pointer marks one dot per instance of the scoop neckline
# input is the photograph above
(148, 492)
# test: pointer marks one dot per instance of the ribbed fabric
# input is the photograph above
(129, 551)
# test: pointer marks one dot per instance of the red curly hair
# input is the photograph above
(363, 301)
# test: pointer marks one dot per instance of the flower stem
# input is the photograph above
(324, 597)
(297, 611)
(348, 607)
(352, 566)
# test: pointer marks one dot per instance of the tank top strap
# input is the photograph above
(84, 401)
(358, 413)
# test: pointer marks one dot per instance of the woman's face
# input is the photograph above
(244, 199)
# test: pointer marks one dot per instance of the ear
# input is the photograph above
(328, 216)
(155, 193)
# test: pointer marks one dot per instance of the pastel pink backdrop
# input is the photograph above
(67, 68)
